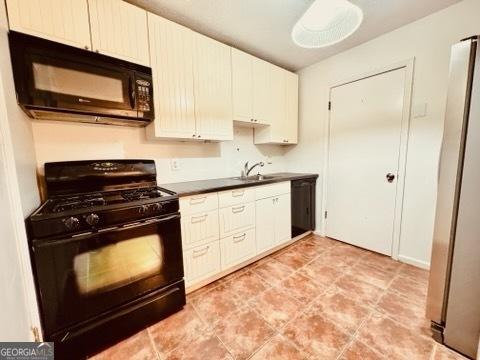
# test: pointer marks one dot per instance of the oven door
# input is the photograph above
(82, 277)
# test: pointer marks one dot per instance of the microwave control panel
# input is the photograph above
(143, 95)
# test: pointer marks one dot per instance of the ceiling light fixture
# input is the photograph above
(326, 22)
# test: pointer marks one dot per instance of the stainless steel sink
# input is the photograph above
(257, 177)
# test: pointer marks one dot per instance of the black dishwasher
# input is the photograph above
(303, 205)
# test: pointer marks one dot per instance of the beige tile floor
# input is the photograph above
(316, 299)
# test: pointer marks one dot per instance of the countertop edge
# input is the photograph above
(280, 178)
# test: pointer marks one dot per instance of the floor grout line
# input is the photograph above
(320, 251)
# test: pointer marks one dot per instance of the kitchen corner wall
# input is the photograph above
(19, 197)
(63, 141)
(428, 40)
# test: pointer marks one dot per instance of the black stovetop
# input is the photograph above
(88, 201)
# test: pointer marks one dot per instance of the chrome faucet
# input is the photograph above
(246, 170)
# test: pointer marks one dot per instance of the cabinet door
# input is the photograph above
(277, 106)
(213, 89)
(261, 96)
(264, 224)
(63, 21)
(236, 218)
(201, 262)
(242, 82)
(283, 219)
(119, 29)
(171, 57)
(237, 248)
(199, 228)
(291, 111)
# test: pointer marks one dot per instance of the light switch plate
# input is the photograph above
(419, 110)
(175, 164)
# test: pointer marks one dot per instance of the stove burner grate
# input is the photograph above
(79, 202)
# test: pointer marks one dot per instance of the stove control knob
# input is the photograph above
(143, 209)
(72, 223)
(157, 207)
(92, 219)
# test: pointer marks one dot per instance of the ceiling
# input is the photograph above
(262, 27)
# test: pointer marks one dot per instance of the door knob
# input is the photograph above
(390, 177)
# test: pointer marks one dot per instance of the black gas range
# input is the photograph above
(106, 251)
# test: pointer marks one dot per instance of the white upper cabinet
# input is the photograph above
(291, 112)
(119, 29)
(63, 21)
(251, 87)
(192, 83)
(213, 89)
(171, 58)
(242, 82)
(283, 108)
(261, 92)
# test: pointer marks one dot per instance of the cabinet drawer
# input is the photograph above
(199, 228)
(235, 197)
(237, 248)
(198, 203)
(236, 218)
(201, 262)
(266, 191)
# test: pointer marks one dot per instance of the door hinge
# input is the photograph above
(329, 105)
(36, 334)
(325, 215)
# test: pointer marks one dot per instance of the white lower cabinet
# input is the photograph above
(199, 228)
(265, 224)
(237, 248)
(237, 217)
(283, 218)
(201, 262)
(273, 221)
(222, 230)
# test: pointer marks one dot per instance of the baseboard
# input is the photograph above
(402, 258)
(415, 262)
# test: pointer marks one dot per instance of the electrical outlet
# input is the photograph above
(175, 164)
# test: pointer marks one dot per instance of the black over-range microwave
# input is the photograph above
(59, 82)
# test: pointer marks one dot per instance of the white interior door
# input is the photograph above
(364, 146)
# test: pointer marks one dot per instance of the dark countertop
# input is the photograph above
(213, 185)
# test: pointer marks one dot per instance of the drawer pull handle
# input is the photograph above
(199, 219)
(238, 209)
(200, 252)
(198, 200)
(238, 193)
(239, 238)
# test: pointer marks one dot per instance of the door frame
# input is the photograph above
(408, 65)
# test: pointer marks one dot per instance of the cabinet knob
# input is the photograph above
(97, 51)
(193, 135)
(86, 47)
(199, 136)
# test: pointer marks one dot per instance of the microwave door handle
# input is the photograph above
(131, 92)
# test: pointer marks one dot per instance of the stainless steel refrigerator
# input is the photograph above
(454, 290)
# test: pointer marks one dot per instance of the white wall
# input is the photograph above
(20, 127)
(18, 197)
(427, 40)
(59, 141)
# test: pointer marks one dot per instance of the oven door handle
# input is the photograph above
(81, 236)
(160, 220)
